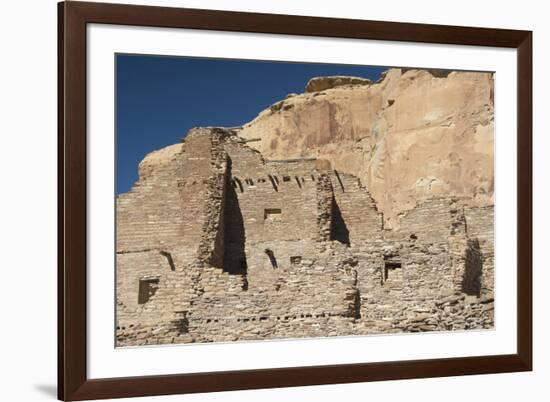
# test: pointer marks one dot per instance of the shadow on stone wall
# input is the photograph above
(357, 305)
(272, 258)
(234, 258)
(471, 283)
(338, 228)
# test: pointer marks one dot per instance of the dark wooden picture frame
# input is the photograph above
(73, 383)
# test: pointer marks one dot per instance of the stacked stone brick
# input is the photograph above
(217, 244)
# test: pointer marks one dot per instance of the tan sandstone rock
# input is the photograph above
(158, 158)
(414, 135)
(321, 83)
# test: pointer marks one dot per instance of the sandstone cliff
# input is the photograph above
(411, 136)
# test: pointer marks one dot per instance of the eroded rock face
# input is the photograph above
(413, 135)
(321, 83)
(157, 159)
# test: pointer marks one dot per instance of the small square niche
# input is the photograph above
(272, 214)
(296, 260)
(147, 288)
(392, 269)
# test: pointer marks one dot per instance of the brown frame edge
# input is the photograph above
(73, 383)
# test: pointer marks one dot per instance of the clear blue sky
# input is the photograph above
(159, 99)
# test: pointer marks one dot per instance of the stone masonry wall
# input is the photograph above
(481, 225)
(214, 243)
(357, 208)
(144, 219)
(172, 270)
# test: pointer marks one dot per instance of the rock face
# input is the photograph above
(321, 83)
(412, 136)
(355, 208)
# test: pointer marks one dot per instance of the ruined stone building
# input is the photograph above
(215, 242)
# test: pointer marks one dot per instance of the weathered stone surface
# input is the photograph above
(216, 243)
(414, 135)
(321, 83)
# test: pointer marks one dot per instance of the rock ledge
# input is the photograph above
(317, 84)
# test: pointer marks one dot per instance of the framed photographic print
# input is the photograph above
(252, 200)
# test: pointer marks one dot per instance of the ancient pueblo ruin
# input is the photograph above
(354, 208)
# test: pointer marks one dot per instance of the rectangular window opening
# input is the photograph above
(390, 267)
(147, 288)
(272, 213)
(296, 260)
